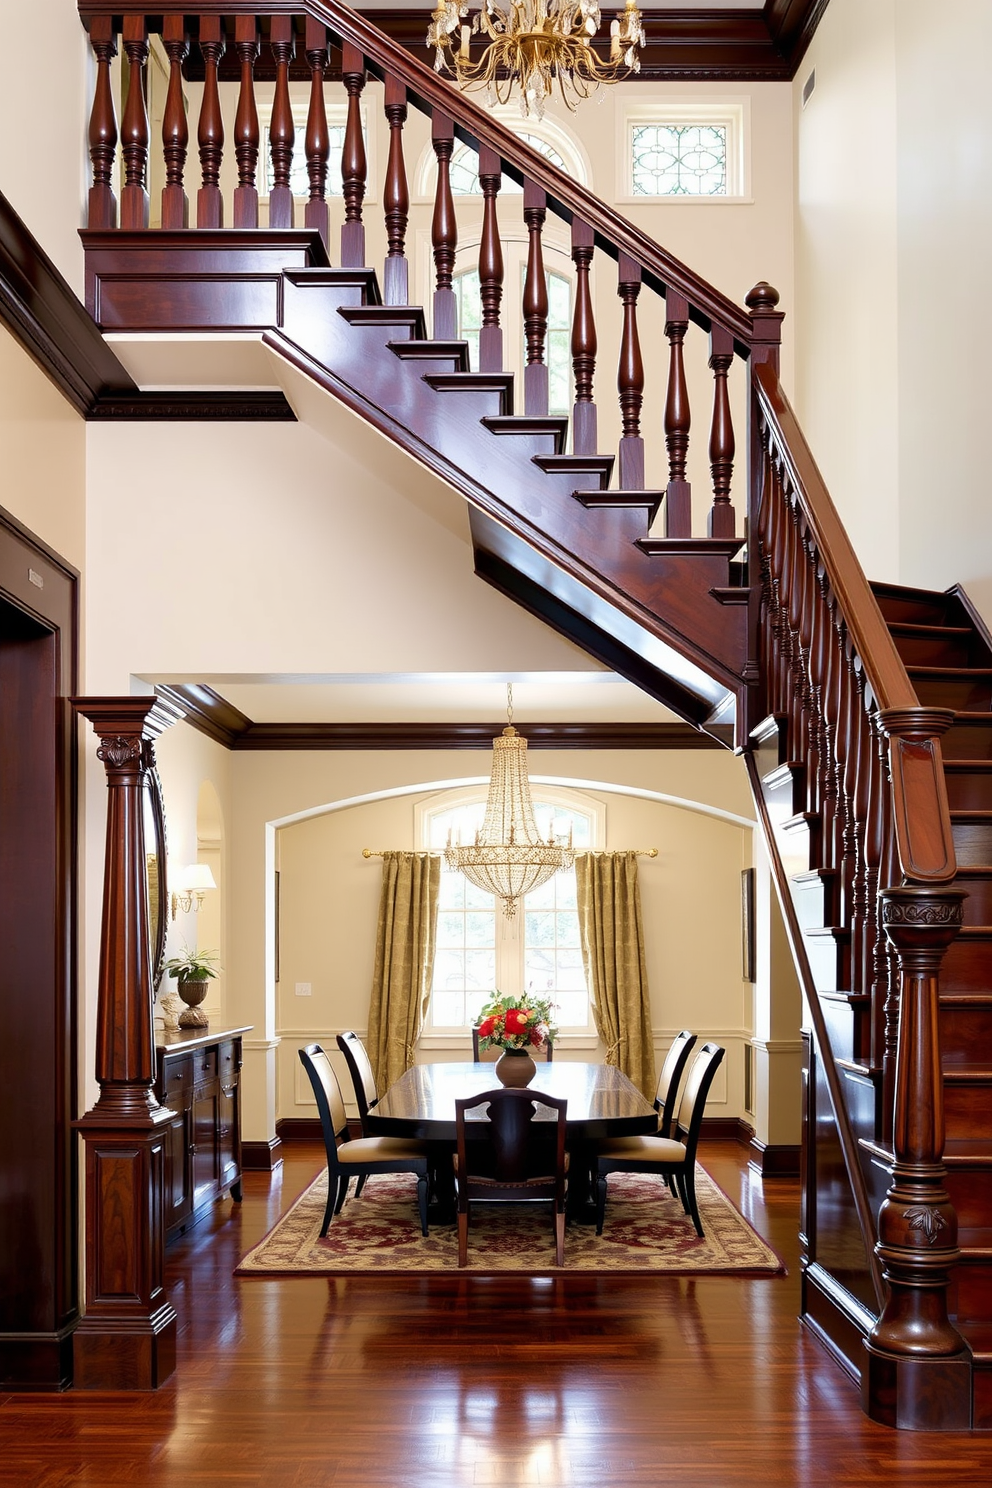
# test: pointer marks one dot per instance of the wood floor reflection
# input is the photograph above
(402, 1382)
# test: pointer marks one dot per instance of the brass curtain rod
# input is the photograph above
(380, 852)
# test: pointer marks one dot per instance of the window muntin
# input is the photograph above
(480, 950)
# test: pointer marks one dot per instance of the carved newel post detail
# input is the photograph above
(917, 1373)
(127, 1340)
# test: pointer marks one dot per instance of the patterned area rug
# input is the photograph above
(645, 1231)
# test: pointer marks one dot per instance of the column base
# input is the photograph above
(917, 1394)
(125, 1356)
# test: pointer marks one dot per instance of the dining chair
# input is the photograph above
(348, 1159)
(487, 1056)
(513, 1158)
(667, 1094)
(664, 1155)
(362, 1076)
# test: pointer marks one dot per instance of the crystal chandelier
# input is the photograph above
(535, 43)
(509, 856)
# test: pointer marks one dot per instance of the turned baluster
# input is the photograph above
(722, 522)
(354, 168)
(444, 233)
(175, 131)
(210, 129)
(134, 127)
(858, 785)
(490, 264)
(396, 196)
(282, 134)
(630, 379)
(246, 127)
(102, 206)
(585, 436)
(535, 303)
(873, 849)
(678, 498)
(317, 214)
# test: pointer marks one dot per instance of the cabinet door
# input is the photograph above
(206, 1123)
(228, 1065)
(175, 1093)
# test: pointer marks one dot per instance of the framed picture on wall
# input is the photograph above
(747, 924)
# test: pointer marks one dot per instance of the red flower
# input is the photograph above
(517, 1020)
(536, 1038)
(486, 1026)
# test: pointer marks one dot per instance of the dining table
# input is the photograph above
(602, 1102)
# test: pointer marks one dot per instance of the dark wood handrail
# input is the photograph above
(920, 810)
(474, 125)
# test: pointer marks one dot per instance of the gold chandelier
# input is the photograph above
(509, 856)
(535, 43)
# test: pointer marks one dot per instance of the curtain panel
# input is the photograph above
(612, 940)
(404, 960)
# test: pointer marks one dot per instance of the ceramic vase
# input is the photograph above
(515, 1068)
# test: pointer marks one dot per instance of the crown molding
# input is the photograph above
(212, 715)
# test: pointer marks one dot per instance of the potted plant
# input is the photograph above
(192, 971)
(516, 1025)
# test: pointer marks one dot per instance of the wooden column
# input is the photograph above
(917, 1374)
(102, 206)
(354, 165)
(444, 231)
(175, 129)
(127, 1339)
(246, 128)
(396, 196)
(535, 303)
(282, 133)
(490, 264)
(630, 379)
(585, 436)
(134, 127)
(318, 144)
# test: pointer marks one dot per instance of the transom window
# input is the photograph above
(479, 950)
(684, 151)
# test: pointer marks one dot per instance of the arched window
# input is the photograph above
(478, 949)
(547, 137)
(557, 346)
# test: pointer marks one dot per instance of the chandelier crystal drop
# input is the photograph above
(509, 857)
(534, 44)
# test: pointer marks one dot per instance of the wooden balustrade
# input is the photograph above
(535, 302)
(318, 144)
(246, 128)
(678, 498)
(396, 276)
(210, 129)
(444, 231)
(134, 127)
(354, 165)
(282, 132)
(175, 129)
(630, 378)
(490, 264)
(584, 346)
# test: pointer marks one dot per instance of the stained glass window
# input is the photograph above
(679, 159)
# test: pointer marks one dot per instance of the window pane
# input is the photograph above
(679, 160)
(299, 180)
(463, 170)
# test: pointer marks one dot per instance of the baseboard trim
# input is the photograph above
(308, 1128)
(835, 1317)
(726, 1129)
(774, 1160)
(261, 1157)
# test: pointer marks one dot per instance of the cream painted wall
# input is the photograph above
(43, 441)
(265, 792)
(45, 168)
(894, 237)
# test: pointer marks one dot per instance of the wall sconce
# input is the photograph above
(192, 883)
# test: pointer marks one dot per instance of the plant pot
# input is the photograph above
(192, 994)
(515, 1068)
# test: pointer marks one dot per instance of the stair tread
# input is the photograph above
(839, 932)
(966, 999)
(385, 315)
(716, 547)
(979, 1336)
(972, 715)
(500, 383)
(909, 591)
(814, 875)
(969, 813)
(854, 999)
(968, 1152)
(911, 631)
(431, 351)
(968, 1074)
(621, 500)
(952, 673)
(982, 765)
(575, 463)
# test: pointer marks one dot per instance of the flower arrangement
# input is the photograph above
(516, 1023)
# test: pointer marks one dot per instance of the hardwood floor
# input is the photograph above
(386, 1382)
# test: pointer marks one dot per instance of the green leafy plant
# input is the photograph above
(517, 1023)
(193, 966)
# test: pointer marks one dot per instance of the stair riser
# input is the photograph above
(978, 905)
(969, 790)
(970, 1189)
(971, 695)
(932, 651)
(966, 1035)
(969, 1296)
(967, 966)
(786, 796)
(972, 843)
(849, 1030)
(968, 740)
(967, 1110)
(860, 1098)
(829, 963)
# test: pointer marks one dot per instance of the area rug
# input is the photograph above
(645, 1232)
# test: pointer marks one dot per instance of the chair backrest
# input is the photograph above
(697, 1088)
(330, 1104)
(488, 1056)
(667, 1094)
(513, 1148)
(360, 1069)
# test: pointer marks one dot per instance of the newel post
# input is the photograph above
(127, 1339)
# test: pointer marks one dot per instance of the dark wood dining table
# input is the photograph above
(602, 1102)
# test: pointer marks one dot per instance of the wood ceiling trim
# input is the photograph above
(212, 715)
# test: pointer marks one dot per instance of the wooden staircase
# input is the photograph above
(865, 719)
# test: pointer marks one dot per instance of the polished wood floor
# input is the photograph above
(414, 1383)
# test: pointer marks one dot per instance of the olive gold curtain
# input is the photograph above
(404, 960)
(612, 940)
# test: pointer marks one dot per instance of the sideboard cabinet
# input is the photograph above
(199, 1076)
